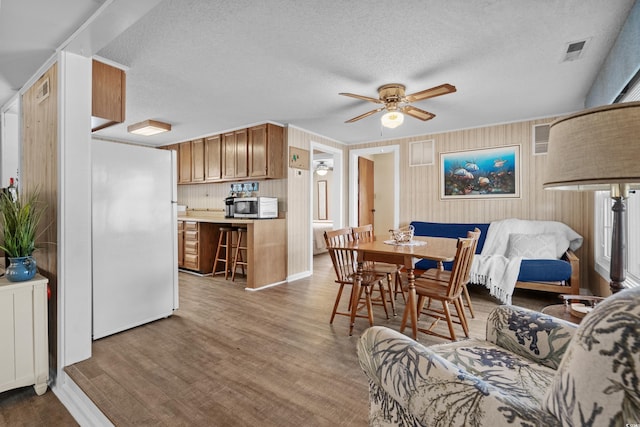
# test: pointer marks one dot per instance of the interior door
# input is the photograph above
(365, 191)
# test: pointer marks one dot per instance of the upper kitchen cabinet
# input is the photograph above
(184, 163)
(197, 160)
(266, 151)
(108, 95)
(234, 155)
(212, 158)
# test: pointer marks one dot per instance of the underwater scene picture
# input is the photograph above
(491, 172)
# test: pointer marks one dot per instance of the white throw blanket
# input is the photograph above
(497, 272)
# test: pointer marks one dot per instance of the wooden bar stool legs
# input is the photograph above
(240, 258)
(224, 251)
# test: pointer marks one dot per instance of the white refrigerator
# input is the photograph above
(134, 236)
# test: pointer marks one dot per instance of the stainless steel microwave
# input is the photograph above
(255, 207)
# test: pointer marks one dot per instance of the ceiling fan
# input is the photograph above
(396, 103)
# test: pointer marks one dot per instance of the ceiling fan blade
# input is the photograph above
(367, 114)
(417, 113)
(364, 98)
(431, 93)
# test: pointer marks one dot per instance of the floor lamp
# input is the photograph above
(599, 149)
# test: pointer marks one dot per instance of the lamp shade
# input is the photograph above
(392, 119)
(595, 148)
(322, 169)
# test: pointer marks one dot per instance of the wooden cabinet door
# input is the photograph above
(180, 244)
(213, 158)
(258, 151)
(184, 165)
(242, 154)
(266, 151)
(235, 152)
(108, 95)
(197, 160)
(229, 155)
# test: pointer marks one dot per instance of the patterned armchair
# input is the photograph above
(532, 370)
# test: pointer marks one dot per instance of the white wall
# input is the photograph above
(74, 215)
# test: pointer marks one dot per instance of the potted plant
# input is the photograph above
(19, 220)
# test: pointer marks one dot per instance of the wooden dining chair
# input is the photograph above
(364, 233)
(449, 294)
(345, 264)
(443, 275)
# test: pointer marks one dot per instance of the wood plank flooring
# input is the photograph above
(231, 357)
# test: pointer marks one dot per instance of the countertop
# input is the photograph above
(216, 217)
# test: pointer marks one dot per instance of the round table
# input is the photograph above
(561, 311)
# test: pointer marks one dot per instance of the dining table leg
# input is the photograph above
(411, 307)
(355, 296)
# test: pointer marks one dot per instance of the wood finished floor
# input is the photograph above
(230, 357)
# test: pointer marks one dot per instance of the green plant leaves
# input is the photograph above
(19, 223)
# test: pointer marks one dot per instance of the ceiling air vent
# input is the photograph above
(574, 50)
(540, 139)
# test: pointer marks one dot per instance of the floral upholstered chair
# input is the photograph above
(532, 370)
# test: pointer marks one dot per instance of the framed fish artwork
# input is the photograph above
(480, 174)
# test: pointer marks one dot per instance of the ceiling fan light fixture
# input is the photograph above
(392, 119)
(149, 127)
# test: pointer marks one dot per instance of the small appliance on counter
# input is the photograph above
(255, 207)
(229, 207)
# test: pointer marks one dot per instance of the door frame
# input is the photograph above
(336, 190)
(353, 180)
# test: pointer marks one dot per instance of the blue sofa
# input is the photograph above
(550, 275)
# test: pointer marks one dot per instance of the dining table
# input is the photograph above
(439, 249)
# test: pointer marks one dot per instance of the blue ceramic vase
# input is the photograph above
(21, 269)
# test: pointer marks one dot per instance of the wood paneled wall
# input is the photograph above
(211, 196)
(39, 171)
(299, 202)
(420, 196)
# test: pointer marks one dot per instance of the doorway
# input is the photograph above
(327, 194)
(10, 143)
(386, 177)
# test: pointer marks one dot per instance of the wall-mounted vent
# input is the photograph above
(42, 91)
(574, 50)
(421, 153)
(540, 139)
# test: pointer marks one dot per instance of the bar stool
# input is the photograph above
(224, 242)
(239, 259)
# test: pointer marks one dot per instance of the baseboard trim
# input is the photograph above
(85, 412)
(299, 276)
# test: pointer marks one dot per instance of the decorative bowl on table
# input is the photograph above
(403, 234)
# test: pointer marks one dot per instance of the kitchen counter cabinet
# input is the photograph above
(266, 243)
(180, 244)
(195, 249)
(24, 349)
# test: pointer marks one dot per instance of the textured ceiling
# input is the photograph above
(206, 67)
(30, 33)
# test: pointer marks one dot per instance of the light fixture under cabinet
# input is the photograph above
(149, 127)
